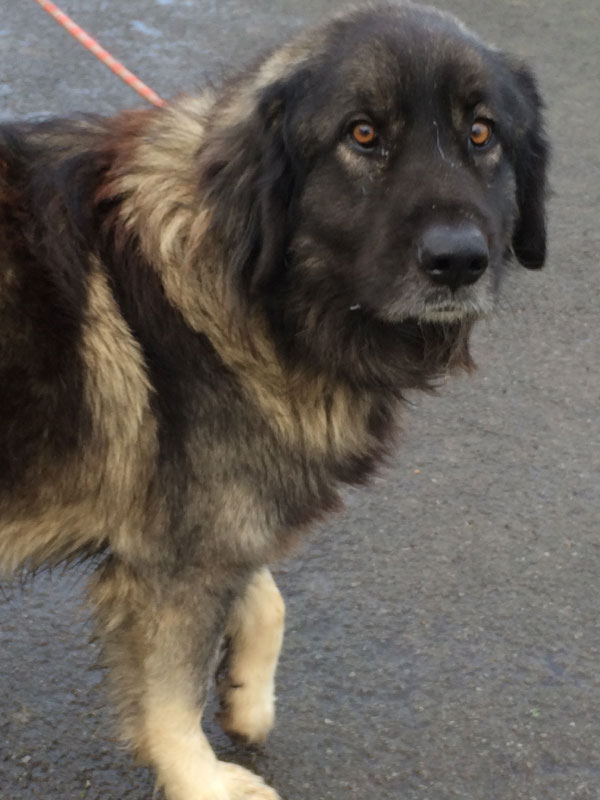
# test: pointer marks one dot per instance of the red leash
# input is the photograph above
(87, 41)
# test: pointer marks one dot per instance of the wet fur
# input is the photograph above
(194, 350)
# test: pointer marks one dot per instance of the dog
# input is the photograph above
(210, 316)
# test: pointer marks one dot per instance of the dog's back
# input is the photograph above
(73, 391)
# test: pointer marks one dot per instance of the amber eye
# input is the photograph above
(481, 133)
(364, 134)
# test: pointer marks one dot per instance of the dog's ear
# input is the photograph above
(249, 178)
(531, 161)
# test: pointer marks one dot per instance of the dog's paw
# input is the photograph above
(244, 785)
(247, 711)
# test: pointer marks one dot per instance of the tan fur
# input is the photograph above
(117, 392)
(104, 486)
(184, 760)
(247, 690)
(160, 184)
(166, 731)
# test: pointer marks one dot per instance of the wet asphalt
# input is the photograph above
(443, 634)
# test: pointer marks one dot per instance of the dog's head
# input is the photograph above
(388, 164)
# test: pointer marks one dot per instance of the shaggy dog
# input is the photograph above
(209, 317)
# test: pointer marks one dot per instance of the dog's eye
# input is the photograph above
(364, 135)
(481, 133)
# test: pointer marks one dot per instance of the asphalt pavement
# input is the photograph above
(443, 633)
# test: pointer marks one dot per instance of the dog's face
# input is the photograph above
(398, 163)
(411, 132)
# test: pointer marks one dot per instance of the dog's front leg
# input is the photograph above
(246, 681)
(160, 637)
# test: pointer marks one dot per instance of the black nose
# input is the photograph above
(453, 255)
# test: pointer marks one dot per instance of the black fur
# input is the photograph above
(531, 158)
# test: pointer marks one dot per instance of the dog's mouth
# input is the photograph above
(454, 312)
(441, 306)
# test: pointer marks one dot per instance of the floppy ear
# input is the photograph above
(531, 160)
(248, 176)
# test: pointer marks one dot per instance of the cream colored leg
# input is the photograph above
(185, 764)
(160, 645)
(247, 689)
(186, 767)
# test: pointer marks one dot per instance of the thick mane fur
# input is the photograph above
(167, 198)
